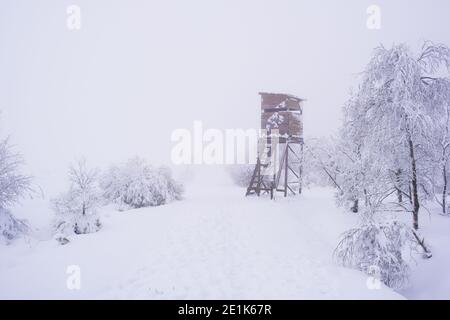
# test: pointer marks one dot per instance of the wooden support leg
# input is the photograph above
(258, 185)
(300, 179)
(286, 170)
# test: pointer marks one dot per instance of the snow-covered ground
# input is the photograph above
(429, 278)
(214, 244)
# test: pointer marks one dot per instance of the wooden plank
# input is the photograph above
(252, 181)
(291, 190)
(273, 100)
(286, 171)
(295, 173)
(280, 169)
(288, 123)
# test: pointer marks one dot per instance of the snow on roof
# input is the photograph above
(281, 94)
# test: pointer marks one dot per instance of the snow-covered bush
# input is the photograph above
(76, 210)
(314, 163)
(378, 246)
(13, 186)
(137, 184)
(10, 227)
(241, 174)
(322, 161)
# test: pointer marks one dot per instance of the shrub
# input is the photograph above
(137, 184)
(76, 211)
(13, 186)
(241, 174)
(378, 246)
(10, 227)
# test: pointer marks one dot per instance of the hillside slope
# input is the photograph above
(215, 244)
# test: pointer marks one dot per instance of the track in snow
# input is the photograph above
(215, 244)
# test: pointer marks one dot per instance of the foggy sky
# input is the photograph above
(137, 70)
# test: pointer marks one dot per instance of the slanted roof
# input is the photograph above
(284, 95)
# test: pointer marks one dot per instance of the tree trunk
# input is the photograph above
(415, 195)
(444, 191)
(355, 207)
(398, 181)
(426, 250)
(410, 193)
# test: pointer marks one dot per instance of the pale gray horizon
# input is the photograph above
(137, 70)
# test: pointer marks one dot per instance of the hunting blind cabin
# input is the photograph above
(280, 150)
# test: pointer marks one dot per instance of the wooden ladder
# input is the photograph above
(257, 183)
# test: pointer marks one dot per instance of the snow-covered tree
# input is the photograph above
(321, 164)
(11, 227)
(312, 173)
(137, 184)
(76, 210)
(379, 243)
(340, 161)
(13, 186)
(439, 142)
(379, 247)
(395, 138)
(394, 106)
(241, 174)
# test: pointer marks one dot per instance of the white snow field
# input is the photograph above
(429, 278)
(214, 244)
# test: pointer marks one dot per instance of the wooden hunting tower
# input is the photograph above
(280, 150)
